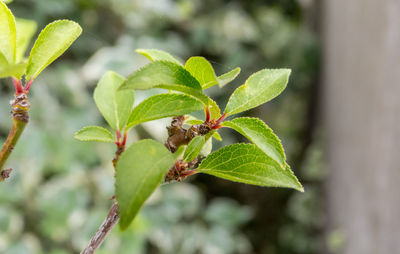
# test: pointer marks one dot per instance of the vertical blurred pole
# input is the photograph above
(361, 114)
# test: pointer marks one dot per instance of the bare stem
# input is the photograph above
(105, 228)
(113, 216)
(20, 107)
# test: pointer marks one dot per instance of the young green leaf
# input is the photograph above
(193, 149)
(166, 75)
(215, 112)
(12, 70)
(115, 105)
(163, 105)
(8, 34)
(207, 148)
(3, 61)
(140, 169)
(52, 42)
(226, 78)
(25, 30)
(157, 55)
(202, 70)
(261, 135)
(259, 88)
(94, 133)
(246, 163)
(177, 155)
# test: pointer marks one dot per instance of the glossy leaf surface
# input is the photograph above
(261, 135)
(259, 88)
(246, 163)
(52, 42)
(94, 133)
(163, 105)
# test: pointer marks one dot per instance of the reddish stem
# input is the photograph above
(118, 143)
(208, 115)
(124, 140)
(28, 86)
(189, 172)
(221, 119)
(18, 86)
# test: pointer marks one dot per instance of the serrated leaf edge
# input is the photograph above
(111, 140)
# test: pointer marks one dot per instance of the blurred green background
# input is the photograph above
(59, 192)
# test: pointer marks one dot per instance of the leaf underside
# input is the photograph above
(228, 77)
(140, 169)
(25, 30)
(114, 104)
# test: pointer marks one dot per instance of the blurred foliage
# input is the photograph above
(59, 192)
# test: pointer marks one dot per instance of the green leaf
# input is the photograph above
(52, 42)
(3, 61)
(13, 70)
(157, 55)
(217, 136)
(261, 135)
(140, 169)
(94, 133)
(215, 112)
(207, 148)
(163, 105)
(246, 163)
(7, 1)
(202, 70)
(193, 149)
(178, 153)
(259, 88)
(114, 104)
(226, 78)
(25, 30)
(8, 33)
(166, 75)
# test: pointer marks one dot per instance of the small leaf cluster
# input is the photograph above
(15, 36)
(145, 164)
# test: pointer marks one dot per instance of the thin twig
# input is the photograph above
(113, 216)
(105, 228)
(20, 107)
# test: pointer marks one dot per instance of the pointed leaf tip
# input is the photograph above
(51, 43)
(115, 105)
(258, 89)
(157, 55)
(246, 163)
(163, 105)
(261, 135)
(202, 70)
(94, 133)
